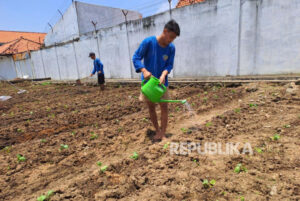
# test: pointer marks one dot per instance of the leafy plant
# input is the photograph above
(258, 150)
(208, 124)
(276, 137)
(240, 168)
(46, 83)
(99, 163)
(73, 133)
(135, 156)
(216, 97)
(205, 99)
(166, 145)
(21, 158)
(45, 197)
(185, 130)
(63, 146)
(93, 136)
(43, 140)
(145, 119)
(252, 105)
(177, 109)
(20, 130)
(205, 93)
(242, 198)
(48, 109)
(31, 112)
(207, 184)
(104, 168)
(233, 91)
(7, 149)
(287, 126)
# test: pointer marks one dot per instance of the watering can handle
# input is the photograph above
(163, 86)
(143, 82)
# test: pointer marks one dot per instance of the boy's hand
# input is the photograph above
(99, 72)
(163, 77)
(91, 75)
(146, 73)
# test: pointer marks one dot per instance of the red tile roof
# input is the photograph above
(16, 42)
(182, 3)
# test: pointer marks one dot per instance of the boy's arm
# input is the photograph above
(100, 66)
(168, 68)
(138, 57)
(94, 70)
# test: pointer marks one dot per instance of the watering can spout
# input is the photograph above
(173, 101)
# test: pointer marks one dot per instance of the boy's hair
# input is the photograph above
(173, 26)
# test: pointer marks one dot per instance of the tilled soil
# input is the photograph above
(109, 126)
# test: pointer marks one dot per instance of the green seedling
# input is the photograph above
(43, 140)
(237, 110)
(73, 133)
(205, 93)
(205, 99)
(198, 95)
(208, 124)
(252, 105)
(46, 83)
(276, 137)
(240, 168)
(135, 156)
(242, 198)
(233, 91)
(94, 136)
(99, 163)
(166, 145)
(48, 109)
(185, 130)
(45, 197)
(145, 119)
(31, 112)
(207, 184)
(104, 168)
(120, 130)
(216, 97)
(21, 158)
(52, 115)
(287, 126)
(20, 130)
(63, 146)
(171, 115)
(177, 109)
(258, 150)
(193, 104)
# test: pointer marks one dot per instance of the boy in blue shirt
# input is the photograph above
(98, 67)
(158, 54)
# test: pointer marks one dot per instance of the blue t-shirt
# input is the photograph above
(98, 66)
(156, 58)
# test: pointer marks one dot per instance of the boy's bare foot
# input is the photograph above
(159, 135)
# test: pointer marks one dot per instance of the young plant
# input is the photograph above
(240, 168)
(145, 119)
(104, 168)
(177, 109)
(166, 145)
(63, 146)
(216, 97)
(73, 133)
(99, 163)
(185, 130)
(207, 184)
(93, 136)
(43, 140)
(276, 137)
(31, 112)
(205, 100)
(135, 156)
(258, 150)
(7, 149)
(45, 197)
(208, 124)
(252, 105)
(21, 158)
(20, 130)
(205, 93)
(287, 126)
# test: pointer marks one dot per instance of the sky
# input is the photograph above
(33, 15)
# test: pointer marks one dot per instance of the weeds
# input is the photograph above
(287, 126)
(19, 130)
(252, 105)
(99, 163)
(93, 136)
(177, 109)
(43, 140)
(258, 150)
(276, 137)
(208, 124)
(73, 133)
(237, 110)
(7, 149)
(166, 145)
(104, 168)
(185, 130)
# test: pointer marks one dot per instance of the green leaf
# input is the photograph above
(212, 182)
(135, 156)
(205, 183)
(43, 140)
(63, 146)
(237, 168)
(21, 158)
(287, 126)
(99, 163)
(208, 124)
(42, 198)
(104, 168)
(258, 150)
(276, 137)
(166, 145)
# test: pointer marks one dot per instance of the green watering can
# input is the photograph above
(154, 91)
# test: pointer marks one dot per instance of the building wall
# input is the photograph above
(7, 69)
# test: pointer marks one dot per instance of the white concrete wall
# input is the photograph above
(65, 29)
(37, 63)
(7, 69)
(104, 16)
(217, 38)
(24, 68)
